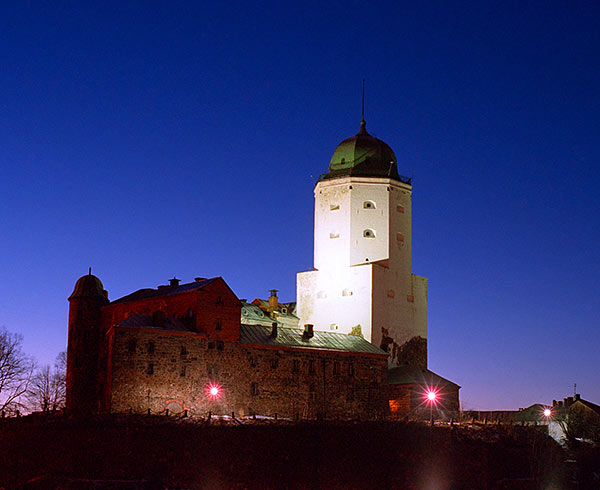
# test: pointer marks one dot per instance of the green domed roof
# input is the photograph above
(363, 155)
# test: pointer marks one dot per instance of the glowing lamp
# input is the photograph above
(431, 396)
(547, 412)
(213, 391)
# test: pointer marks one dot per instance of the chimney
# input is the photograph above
(308, 331)
(554, 403)
(577, 396)
(273, 301)
(174, 281)
(274, 330)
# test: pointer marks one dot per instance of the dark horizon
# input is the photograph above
(152, 141)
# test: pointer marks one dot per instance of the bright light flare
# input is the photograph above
(431, 396)
(213, 391)
(547, 412)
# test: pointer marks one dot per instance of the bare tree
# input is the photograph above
(47, 388)
(16, 370)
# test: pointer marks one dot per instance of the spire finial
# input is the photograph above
(363, 124)
(90, 271)
(363, 103)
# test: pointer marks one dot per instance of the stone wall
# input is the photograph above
(156, 370)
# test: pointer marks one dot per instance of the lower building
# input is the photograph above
(416, 392)
(182, 348)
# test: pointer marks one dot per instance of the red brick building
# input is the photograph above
(408, 390)
(183, 348)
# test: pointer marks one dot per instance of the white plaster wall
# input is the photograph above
(338, 297)
(379, 293)
(367, 250)
(331, 250)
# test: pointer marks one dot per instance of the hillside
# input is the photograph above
(177, 454)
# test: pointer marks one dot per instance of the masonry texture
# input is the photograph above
(161, 350)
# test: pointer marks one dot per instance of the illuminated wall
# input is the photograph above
(363, 281)
(172, 370)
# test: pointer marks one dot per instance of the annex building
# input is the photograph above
(353, 346)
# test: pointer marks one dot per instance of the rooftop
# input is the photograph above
(147, 293)
(292, 337)
(401, 375)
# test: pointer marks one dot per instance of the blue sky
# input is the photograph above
(152, 139)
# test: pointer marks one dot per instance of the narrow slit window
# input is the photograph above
(334, 235)
(334, 207)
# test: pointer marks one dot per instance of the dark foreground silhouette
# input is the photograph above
(136, 452)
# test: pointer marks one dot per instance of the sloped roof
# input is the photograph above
(292, 337)
(145, 321)
(147, 293)
(401, 375)
(590, 405)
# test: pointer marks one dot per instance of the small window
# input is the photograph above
(400, 209)
(151, 347)
(295, 366)
(182, 371)
(390, 293)
(311, 367)
(254, 388)
(350, 369)
(274, 363)
(150, 368)
(400, 237)
(334, 235)
(211, 345)
(219, 301)
(182, 351)
(220, 345)
(369, 205)
(333, 326)
(347, 292)
(218, 326)
(369, 233)
(284, 310)
(252, 361)
(131, 345)
(334, 207)
(336, 368)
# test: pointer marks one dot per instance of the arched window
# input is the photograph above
(369, 233)
(333, 326)
(369, 205)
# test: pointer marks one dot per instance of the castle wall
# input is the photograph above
(301, 383)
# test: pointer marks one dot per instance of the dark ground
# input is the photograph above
(181, 454)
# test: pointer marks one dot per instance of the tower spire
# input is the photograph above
(363, 124)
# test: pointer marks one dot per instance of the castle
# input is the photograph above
(354, 345)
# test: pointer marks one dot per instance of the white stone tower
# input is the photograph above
(363, 281)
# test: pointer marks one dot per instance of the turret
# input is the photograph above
(84, 344)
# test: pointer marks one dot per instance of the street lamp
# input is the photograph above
(431, 397)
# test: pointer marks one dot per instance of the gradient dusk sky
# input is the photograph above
(153, 139)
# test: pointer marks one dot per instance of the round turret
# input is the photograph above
(88, 286)
(363, 155)
(85, 344)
